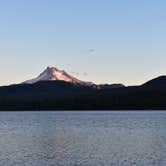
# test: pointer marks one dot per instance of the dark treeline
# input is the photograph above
(58, 95)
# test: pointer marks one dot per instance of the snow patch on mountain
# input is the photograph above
(53, 74)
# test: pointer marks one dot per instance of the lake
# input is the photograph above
(84, 138)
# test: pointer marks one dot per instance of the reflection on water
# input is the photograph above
(83, 138)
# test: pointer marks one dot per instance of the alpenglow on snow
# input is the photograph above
(54, 74)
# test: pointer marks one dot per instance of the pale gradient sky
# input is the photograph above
(111, 40)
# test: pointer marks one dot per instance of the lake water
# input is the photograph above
(83, 138)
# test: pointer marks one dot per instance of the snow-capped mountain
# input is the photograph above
(54, 74)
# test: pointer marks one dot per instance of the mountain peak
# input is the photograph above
(54, 74)
(51, 69)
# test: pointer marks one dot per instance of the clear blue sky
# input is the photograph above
(111, 40)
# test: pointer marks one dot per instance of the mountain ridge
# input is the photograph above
(158, 81)
(46, 94)
(54, 74)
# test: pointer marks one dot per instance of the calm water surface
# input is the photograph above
(83, 138)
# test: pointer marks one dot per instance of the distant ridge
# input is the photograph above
(159, 81)
(54, 74)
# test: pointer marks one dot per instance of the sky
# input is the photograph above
(104, 41)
